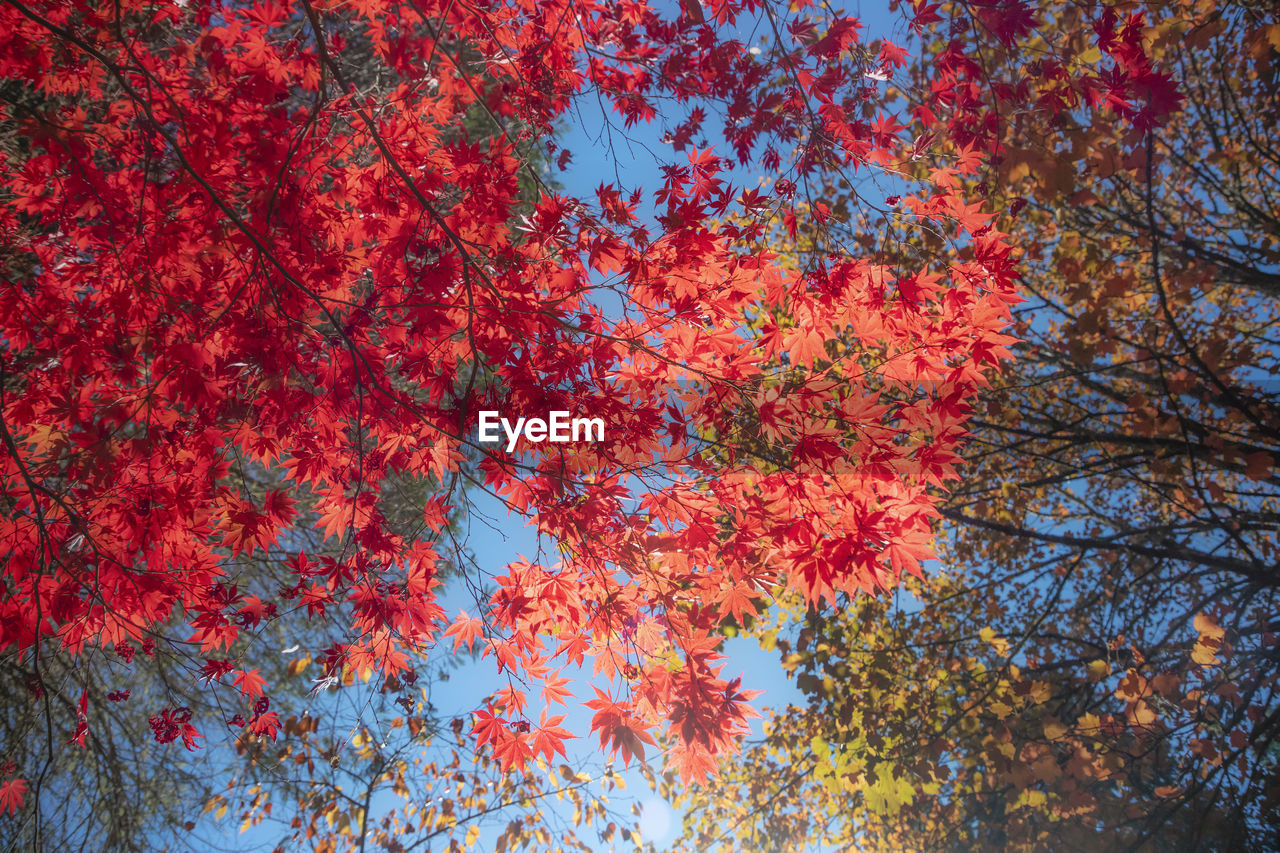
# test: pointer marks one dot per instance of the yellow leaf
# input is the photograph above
(887, 794)
(1132, 687)
(1142, 714)
(1206, 627)
(1203, 655)
(1054, 729)
(1032, 798)
(1091, 55)
(473, 835)
(1019, 171)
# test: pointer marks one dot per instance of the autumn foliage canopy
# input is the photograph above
(265, 263)
(1092, 663)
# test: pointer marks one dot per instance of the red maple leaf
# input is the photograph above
(465, 630)
(265, 724)
(250, 683)
(11, 794)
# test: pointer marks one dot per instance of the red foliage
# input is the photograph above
(226, 254)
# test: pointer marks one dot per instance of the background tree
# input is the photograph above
(1097, 665)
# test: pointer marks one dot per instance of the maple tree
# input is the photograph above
(1096, 665)
(264, 262)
